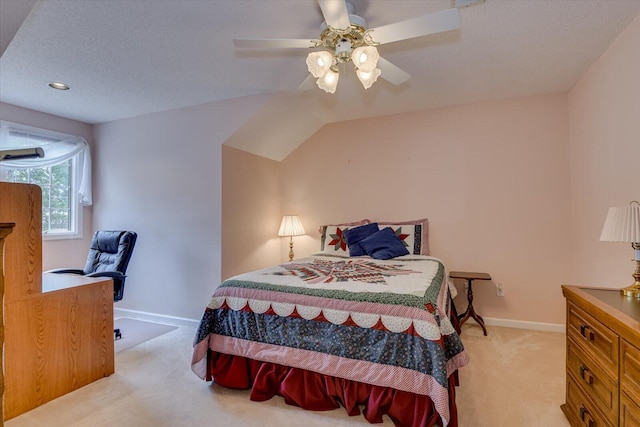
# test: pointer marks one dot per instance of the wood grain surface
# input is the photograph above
(6, 228)
(57, 337)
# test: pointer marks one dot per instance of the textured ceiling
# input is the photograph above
(124, 58)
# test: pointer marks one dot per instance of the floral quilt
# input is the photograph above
(384, 323)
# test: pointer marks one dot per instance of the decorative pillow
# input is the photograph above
(413, 234)
(332, 239)
(384, 244)
(356, 234)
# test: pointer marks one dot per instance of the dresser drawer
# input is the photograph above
(581, 411)
(629, 412)
(598, 341)
(630, 370)
(602, 389)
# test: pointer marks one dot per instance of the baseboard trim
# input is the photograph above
(154, 317)
(523, 324)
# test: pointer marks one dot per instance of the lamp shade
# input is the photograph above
(319, 63)
(291, 226)
(368, 78)
(328, 82)
(622, 224)
(365, 58)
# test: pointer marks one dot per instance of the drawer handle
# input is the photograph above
(585, 417)
(585, 374)
(586, 332)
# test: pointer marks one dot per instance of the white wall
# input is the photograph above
(605, 159)
(160, 176)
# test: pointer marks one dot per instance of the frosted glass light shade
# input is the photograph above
(319, 63)
(291, 226)
(368, 79)
(622, 224)
(365, 58)
(328, 82)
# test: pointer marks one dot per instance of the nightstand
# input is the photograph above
(470, 311)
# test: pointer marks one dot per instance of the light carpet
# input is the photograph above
(136, 331)
(516, 378)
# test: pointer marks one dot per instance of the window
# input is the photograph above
(61, 174)
(58, 214)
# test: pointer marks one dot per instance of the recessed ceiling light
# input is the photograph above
(59, 86)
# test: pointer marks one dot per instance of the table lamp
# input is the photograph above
(623, 225)
(289, 227)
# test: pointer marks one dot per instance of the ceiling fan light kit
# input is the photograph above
(353, 44)
(346, 38)
(365, 58)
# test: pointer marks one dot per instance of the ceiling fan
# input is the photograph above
(346, 38)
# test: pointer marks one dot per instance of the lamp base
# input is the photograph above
(291, 254)
(632, 290)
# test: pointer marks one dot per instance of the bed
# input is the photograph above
(373, 334)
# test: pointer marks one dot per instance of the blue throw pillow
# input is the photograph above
(356, 234)
(384, 245)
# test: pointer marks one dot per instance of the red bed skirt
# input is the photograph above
(317, 392)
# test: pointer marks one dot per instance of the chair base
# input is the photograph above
(117, 334)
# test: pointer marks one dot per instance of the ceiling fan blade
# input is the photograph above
(417, 27)
(335, 13)
(276, 43)
(392, 73)
(308, 84)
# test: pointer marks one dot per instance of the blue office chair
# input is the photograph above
(109, 256)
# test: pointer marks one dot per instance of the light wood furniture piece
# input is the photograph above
(603, 358)
(58, 328)
(470, 311)
(5, 229)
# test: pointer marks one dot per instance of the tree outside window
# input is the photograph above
(57, 197)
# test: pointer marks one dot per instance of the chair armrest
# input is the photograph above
(66, 270)
(111, 274)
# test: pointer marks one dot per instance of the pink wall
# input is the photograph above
(63, 252)
(492, 178)
(250, 212)
(605, 154)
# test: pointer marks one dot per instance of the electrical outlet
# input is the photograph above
(499, 289)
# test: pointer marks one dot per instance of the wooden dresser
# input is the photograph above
(603, 358)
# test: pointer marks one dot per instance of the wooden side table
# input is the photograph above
(470, 311)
